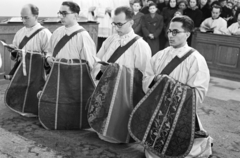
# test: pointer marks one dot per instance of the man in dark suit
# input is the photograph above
(137, 17)
(152, 25)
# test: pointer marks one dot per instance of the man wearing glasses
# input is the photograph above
(136, 56)
(192, 71)
(69, 62)
(79, 46)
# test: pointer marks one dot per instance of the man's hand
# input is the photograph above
(103, 67)
(50, 60)
(10, 49)
(157, 77)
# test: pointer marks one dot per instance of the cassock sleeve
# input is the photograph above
(142, 60)
(15, 40)
(97, 66)
(151, 71)
(15, 43)
(87, 49)
(204, 25)
(51, 46)
(45, 39)
(199, 77)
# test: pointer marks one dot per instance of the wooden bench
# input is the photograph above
(221, 53)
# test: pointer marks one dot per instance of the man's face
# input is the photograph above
(173, 3)
(180, 38)
(223, 3)
(182, 6)
(122, 25)
(136, 7)
(152, 9)
(203, 2)
(66, 15)
(229, 5)
(235, 2)
(149, 2)
(28, 18)
(215, 13)
(192, 3)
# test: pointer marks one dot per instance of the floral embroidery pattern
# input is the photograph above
(98, 111)
(171, 131)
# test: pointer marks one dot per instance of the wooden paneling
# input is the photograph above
(221, 53)
(207, 50)
(7, 32)
(228, 56)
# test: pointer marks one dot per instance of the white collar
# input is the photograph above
(70, 30)
(180, 52)
(31, 30)
(126, 38)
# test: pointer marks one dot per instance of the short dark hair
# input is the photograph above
(197, 2)
(74, 7)
(231, 3)
(152, 4)
(138, 1)
(182, 1)
(127, 10)
(34, 9)
(187, 22)
(217, 7)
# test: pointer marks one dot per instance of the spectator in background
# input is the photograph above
(182, 5)
(137, 17)
(214, 2)
(167, 13)
(160, 5)
(230, 5)
(215, 23)
(194, 12)
(145, 10)
(226, 12)
(235, 2)
(205, 8)
(234, 29)
(103, 17)
(87, 9)
(152, 25)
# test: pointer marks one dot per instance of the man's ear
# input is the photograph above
(188, 34)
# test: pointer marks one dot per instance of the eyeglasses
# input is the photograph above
(174, 32)
(64, 13)
(119, 25)
(24, 18)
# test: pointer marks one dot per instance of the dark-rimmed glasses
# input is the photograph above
(64, 13)
(174, 32)
(119, 25)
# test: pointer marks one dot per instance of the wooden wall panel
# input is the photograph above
(207, 50)
(228, 56)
